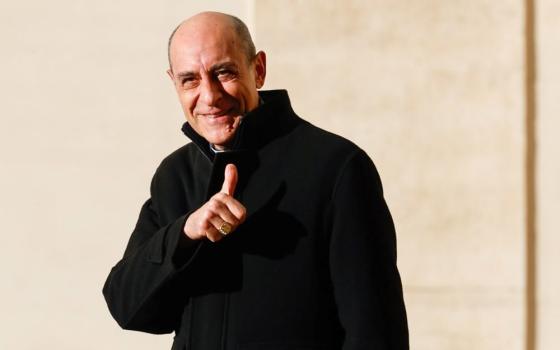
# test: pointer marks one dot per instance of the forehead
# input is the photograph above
(195, 48)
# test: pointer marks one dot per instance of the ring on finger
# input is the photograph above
(225, 228)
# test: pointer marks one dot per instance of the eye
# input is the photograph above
(225, 74)
(188, 82)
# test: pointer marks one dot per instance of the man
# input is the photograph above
(265, 232)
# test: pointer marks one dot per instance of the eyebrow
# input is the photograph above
(187, 74)
(224, 65)
(214, 68)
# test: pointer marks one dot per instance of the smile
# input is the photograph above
(216, 114)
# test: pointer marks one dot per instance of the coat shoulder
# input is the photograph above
(182, 157)
(324, 145)
(180, 168)
(185, 152)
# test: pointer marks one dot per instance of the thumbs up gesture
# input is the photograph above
(220, 215)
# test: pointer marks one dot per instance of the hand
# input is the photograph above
(221, 208)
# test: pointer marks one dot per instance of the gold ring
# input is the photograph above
(225, 228)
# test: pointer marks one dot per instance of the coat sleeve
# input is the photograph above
(366, 282)
(143, 290)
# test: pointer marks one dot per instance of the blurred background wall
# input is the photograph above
(457, 102)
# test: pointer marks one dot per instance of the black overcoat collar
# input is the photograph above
(273, 118)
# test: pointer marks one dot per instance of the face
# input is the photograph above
(215, 82)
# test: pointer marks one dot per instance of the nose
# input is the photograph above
(210, 92)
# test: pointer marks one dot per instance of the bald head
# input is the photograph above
(218, 21)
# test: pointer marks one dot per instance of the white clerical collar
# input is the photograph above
(215, 150)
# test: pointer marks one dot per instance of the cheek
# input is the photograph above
(187, 102)
(234, 88)
(237, 92)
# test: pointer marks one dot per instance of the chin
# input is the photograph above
(222, 140)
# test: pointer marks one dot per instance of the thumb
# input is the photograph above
(230, 180)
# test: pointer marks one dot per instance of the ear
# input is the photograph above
(260, 69)
(171, 75)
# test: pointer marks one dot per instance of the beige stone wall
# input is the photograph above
(433, 90)
(548, 173)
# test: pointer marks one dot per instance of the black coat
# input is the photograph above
(313, 266)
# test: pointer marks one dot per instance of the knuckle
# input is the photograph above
(242, 213)
(207, 215)
(205, 225)
(219, 196)
(213, 205)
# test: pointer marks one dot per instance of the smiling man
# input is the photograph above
(265, 232)
(216, 73)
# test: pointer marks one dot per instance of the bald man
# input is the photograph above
(265, 232)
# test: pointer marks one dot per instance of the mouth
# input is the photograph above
(218, 117)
